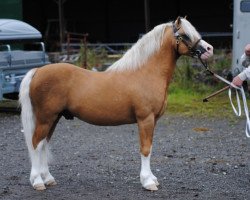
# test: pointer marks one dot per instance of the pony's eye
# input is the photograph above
(185, 37)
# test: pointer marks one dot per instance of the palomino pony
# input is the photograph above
(132, 90)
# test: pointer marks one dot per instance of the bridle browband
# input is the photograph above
(181, 38)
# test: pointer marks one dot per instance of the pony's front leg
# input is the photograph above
(146, 131)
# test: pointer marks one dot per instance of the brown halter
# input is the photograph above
(193, 50)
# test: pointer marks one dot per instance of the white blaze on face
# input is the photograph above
(209, 50)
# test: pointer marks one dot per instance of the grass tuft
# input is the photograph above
(190, 103)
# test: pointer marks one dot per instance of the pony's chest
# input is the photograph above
(155, 101)
(160, 105)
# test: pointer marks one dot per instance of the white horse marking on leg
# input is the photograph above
(148, 180)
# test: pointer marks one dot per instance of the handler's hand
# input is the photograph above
(247, 50)
(237, 81)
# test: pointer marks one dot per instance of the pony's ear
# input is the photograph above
(185, 17)
(178, 21)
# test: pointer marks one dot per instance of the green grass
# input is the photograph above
(190, 103)
(186, 92)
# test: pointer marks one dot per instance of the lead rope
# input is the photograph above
(238, 113)
(237, 90)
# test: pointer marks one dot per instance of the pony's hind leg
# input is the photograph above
(39, 152)
(36, 165)
(146, 131)
(48, 179)
(34, 153)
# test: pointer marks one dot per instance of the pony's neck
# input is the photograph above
(154, 53)
(163, 62)
(141, 51)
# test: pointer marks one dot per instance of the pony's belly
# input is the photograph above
(106, 121)
(104, 117)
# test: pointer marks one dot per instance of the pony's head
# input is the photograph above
(188, 40)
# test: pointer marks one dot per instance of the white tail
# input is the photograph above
(27, 115)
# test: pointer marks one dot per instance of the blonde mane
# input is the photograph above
(151, 42)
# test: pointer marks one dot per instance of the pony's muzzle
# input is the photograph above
(205, 49)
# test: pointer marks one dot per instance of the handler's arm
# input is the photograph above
(245, 74)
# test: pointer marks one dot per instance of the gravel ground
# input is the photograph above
(193, 158)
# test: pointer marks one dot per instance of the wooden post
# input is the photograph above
(68, 45)
(147, 15)
(61, 27)
(85, 52)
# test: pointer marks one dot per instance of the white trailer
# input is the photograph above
(15, 60)
(241, 32)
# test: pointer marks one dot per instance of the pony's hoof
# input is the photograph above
(152, 187)
(39, 187)
(156, 183)
(51, 183)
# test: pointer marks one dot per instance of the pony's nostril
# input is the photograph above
(208, 48)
